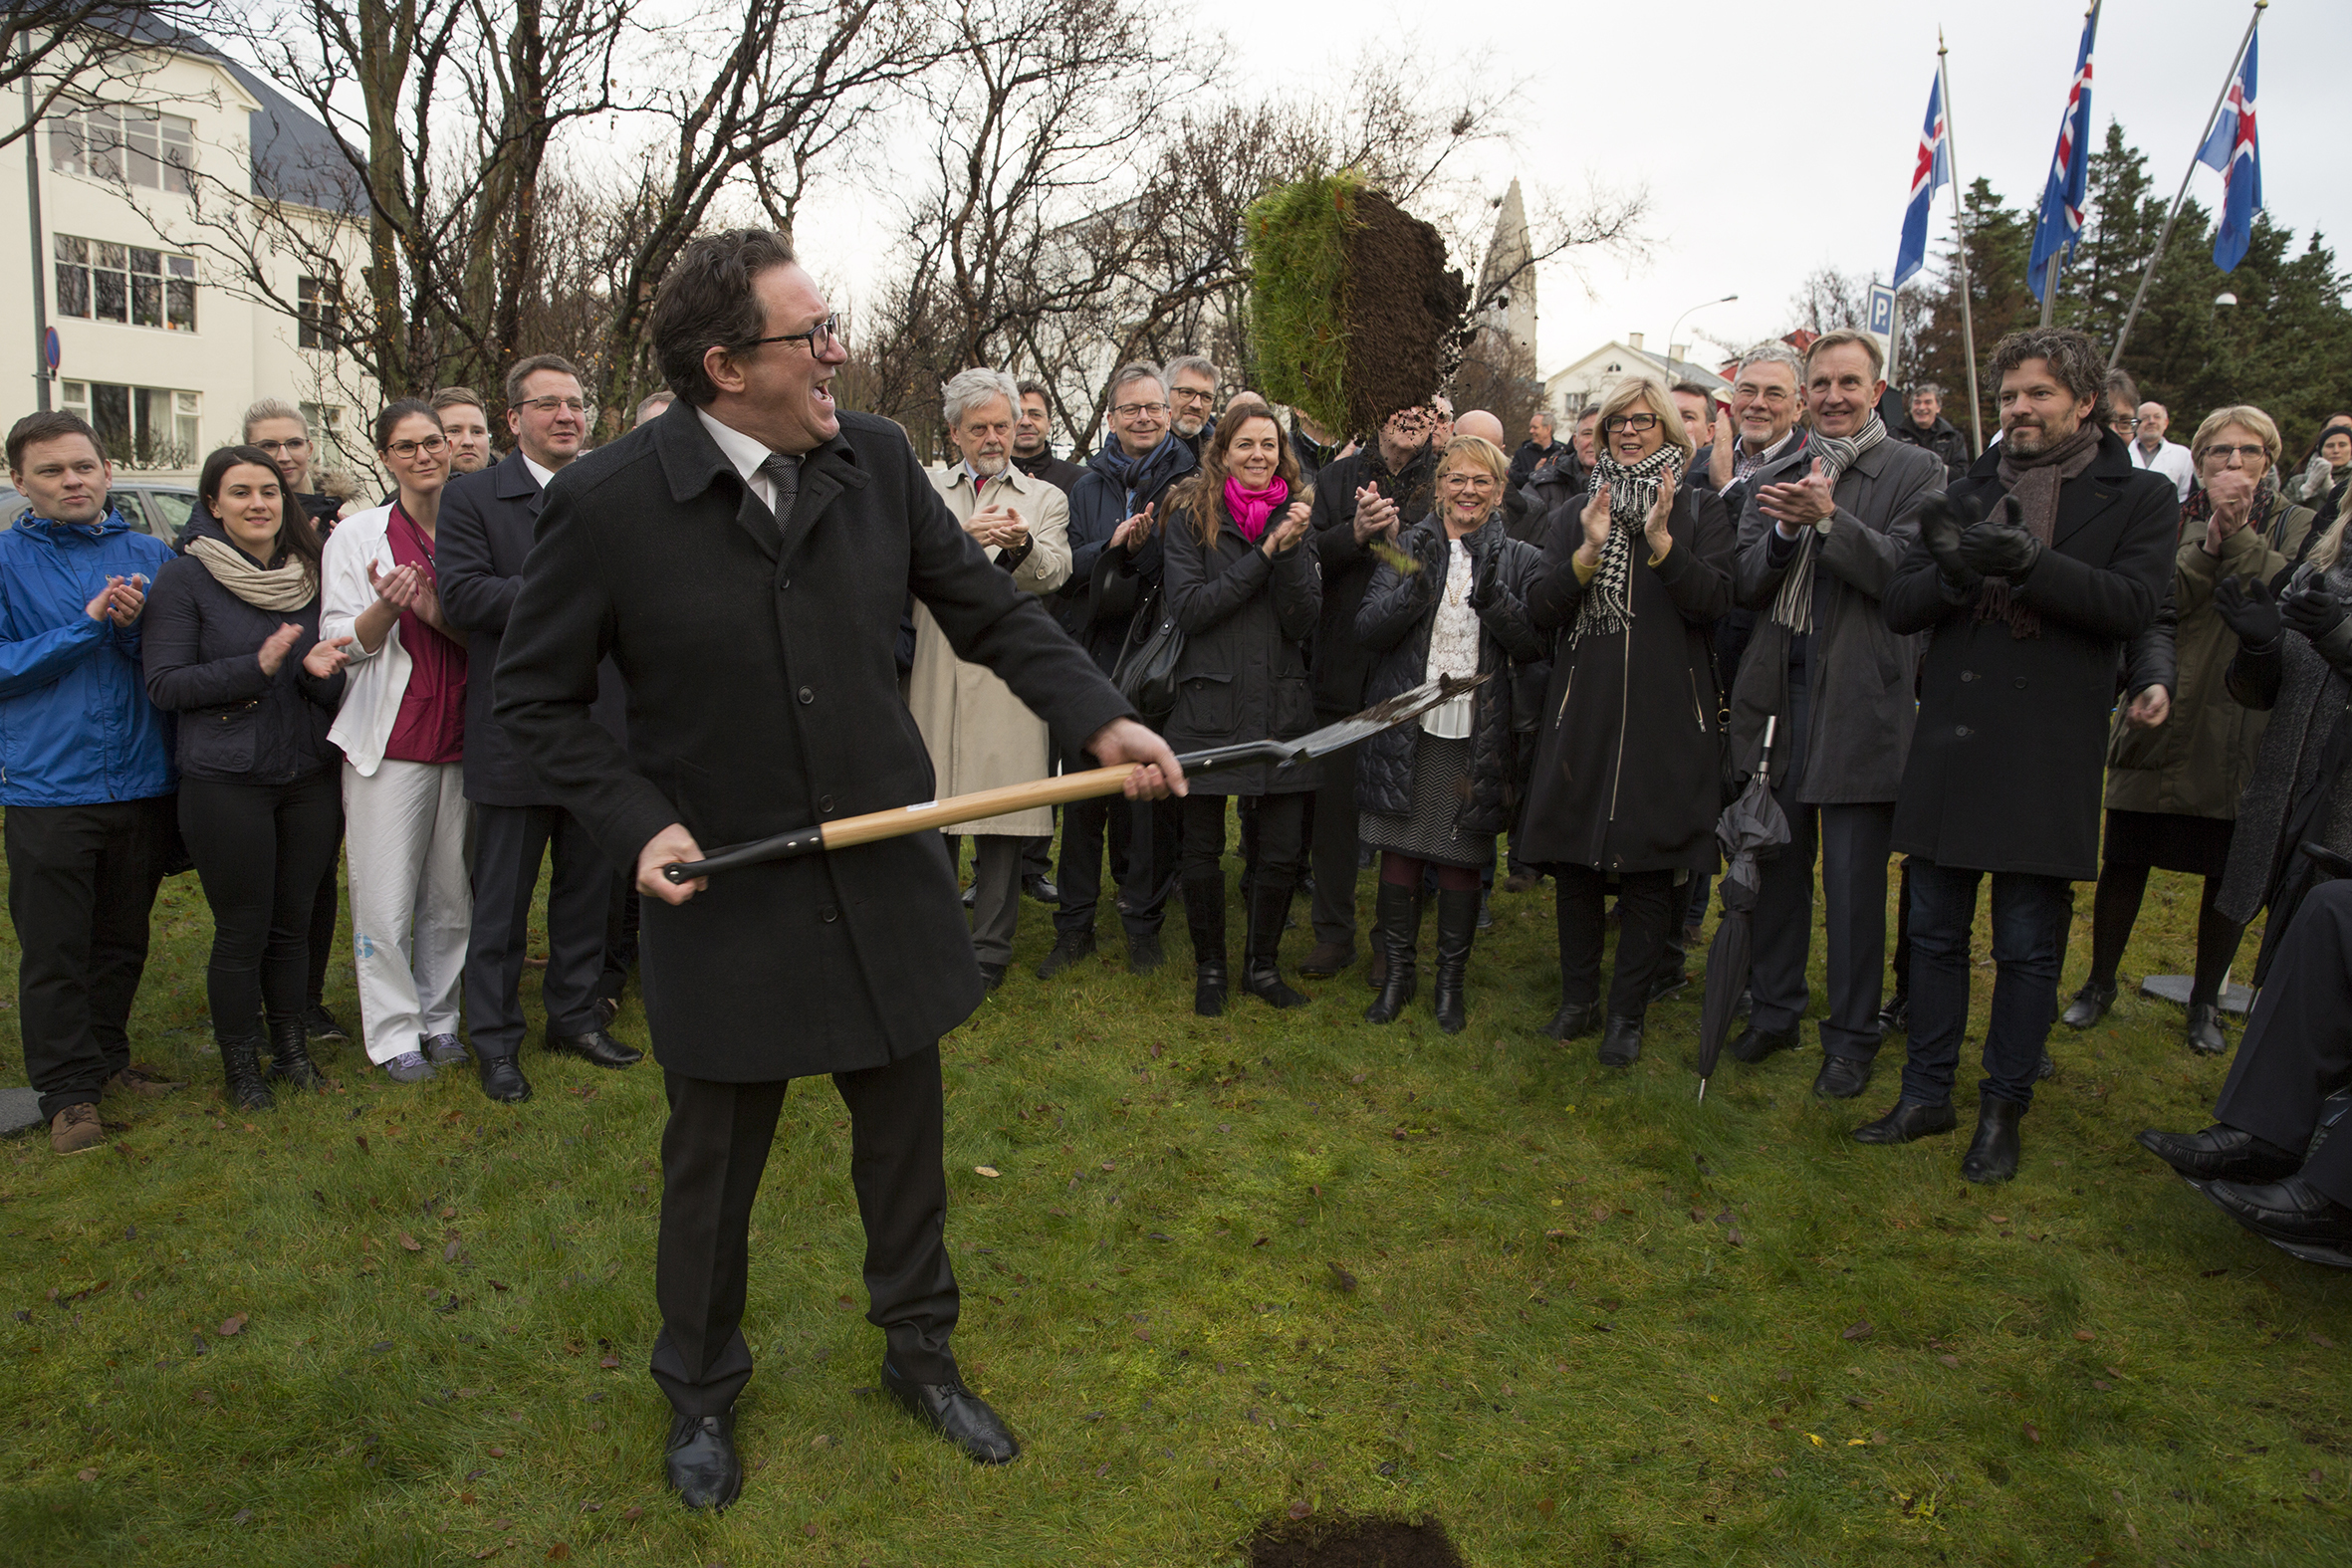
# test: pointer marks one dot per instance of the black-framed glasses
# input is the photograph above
(1639, 424)
(431, 445)
(2120, 422)
(1139, 410)
(829, 329)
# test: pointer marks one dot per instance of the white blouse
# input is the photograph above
(1453, 648)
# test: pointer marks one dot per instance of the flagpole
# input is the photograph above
(1967, 319)
(2180, 197)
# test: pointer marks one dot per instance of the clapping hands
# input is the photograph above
(2246, 608)
(121, 601)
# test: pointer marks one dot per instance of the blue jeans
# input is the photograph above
(2028, 947)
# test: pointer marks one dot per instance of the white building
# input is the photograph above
(1569, 392)
(161, 341)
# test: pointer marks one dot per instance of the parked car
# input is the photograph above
(161, 510)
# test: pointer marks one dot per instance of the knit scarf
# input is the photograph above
(278, 589)
(1792, 606)
(1607, 606)
(2032, 483)
(1250, 509)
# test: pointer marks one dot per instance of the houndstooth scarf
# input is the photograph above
(1792, 606)
(1607, 606)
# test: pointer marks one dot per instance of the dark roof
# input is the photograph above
(294, 156)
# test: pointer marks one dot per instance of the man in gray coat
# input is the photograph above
(1822, 529)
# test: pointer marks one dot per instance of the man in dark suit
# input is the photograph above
(484, 536)
(1033, 442)
(745, 559)
(2028, 613)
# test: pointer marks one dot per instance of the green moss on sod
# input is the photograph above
(1299, 250)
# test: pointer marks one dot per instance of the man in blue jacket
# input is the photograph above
(86, 772)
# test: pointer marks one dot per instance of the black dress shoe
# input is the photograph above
(1895, 1016)
(2291, 1214)
(701, 1460)
(1041, 887)
(1143, 952)
(2047, 1067)
(1327, 959)
(596, 1046)
(1993, 1152)
(2205, 1030)
(1841, 1077)
(1573, 1021)
(1909, 1120)
(2089, 1005)
(321, 1025)
(1753, 1044)
(957, 1414)
(1069, 947)
(1620, 1045)
(2222, 1154)
(992, 975)
(503, 1080)
(1668, 981)
(608, 1008)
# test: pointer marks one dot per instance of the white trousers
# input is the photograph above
(409, 840)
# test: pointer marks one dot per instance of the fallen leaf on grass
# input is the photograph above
(2085, 1335)
(591, 1507)
(1341, 1276)
(1950, 1361)
(449, 1253)
(233, 1324)
(845, 1301)
(989, 1171)
(610, 1363)
(1546, 1507)
(86, 1476)
(1999, 1219)
(497, 1453)
(499, 1284)
(1816, 1436)
(2321, 1340)
(363, 1137)
(1860, 1330)
(410, 1243)
(1301, 1508)
(632, 1513)
(240, 1515)
(558, 1553)
(2033, 1432)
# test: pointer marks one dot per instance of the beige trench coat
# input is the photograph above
(981, 736)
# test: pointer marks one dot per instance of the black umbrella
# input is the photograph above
(1749, 827)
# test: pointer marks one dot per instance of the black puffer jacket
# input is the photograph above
(1246, 619)
(1394, 626)
(236, 724)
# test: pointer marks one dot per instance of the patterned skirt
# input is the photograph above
(1440, 777)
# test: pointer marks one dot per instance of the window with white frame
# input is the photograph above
(139, 426)
(104, 282)
(135, 146)
(317, 314)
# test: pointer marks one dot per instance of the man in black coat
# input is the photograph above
(1033, 441)
(1926, 427)
(2027, 611)
(1399, 469)
(480, 545)
(1538, 449)
(745, 559)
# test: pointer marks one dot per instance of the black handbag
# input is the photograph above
(1146, 670)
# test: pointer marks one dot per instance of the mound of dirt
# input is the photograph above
(1405, 311)
(1353, 1544)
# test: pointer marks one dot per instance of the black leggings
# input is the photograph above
(261, 850)
(1648, 907)
(1407, 871)
(1281, 853)
(2116, 906)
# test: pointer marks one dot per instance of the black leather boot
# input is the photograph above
(1204, 917)
(1396, 927)
(1620, 1045)
(1457, 928)
(1992, 1153)
(2089, 1005)
(2205, 1029)
(290, 1053)
(240, 1067)
(1261, 973)
(1573, 1021)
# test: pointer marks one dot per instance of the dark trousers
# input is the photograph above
(260, 850)
(996, 895)
(1141, 839)
(620, 937)
(1648, 906)
(82, 881)
(1852, 842)
(2298, 1048)
(1334, 849)
(1282, 851)
(1036, 854)
(712, 1153)
(2029, 946)
(1900, 964)
(326, 906)
(509, 844)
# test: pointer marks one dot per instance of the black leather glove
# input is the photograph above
(1485, 575)
(1430, 547)
(2246, 608)
(2313, 611)
(2000, 547)
(1939, 527)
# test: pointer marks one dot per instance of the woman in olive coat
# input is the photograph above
(1627, 781)
(1247, 598)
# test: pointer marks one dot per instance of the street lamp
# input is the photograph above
(1686, 316)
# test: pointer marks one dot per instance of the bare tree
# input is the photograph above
(1828, 300)
(65, 52)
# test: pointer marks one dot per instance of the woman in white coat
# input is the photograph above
(401, 728)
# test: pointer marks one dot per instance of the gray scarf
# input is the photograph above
(1792, 606)
(1607, 606)
(278, 589)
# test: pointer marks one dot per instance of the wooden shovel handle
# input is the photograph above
(973, 807)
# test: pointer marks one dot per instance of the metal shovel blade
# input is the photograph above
(1384, 716)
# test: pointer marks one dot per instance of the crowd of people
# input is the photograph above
(2080, 655)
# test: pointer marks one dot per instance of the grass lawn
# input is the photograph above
(1228, 1272)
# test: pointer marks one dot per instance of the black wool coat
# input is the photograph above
(2010, 753)
(1343, 664)
(198, 651)
(762, 696)
(1628, 775)
(479, 545)
(1246, 618)
(1394, 625)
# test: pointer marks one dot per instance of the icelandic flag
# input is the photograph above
(1933, 173)
(2231, 149)
(2060, 221)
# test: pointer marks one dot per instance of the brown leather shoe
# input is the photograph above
(144, 1081)
(75, 1130)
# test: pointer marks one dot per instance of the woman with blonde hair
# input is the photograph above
(1628, 777)
(1434, 793)
(2181, 754)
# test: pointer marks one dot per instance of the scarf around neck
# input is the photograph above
(1792, 606)
(2034, 482)
(278, 589)
(1250, 509)
(1607, 606)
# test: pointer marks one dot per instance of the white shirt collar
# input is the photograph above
(745, 453)
(541, 475)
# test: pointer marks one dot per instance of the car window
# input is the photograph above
(168, 512)
(133, 505)
(12, 506)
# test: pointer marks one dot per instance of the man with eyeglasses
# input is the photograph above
(747, 559)
(278, 428)
(487, 528)
(2150, 450)
(1192, 399)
